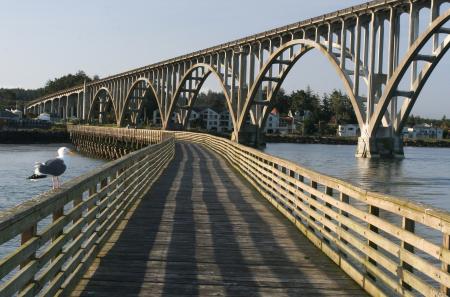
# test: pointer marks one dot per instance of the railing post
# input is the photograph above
(56, 215)
(408, 225)
(27, 235)
(76, 202)
(376, 212)
(445, 266)
(344, 199)
(92, 192)
(329, 192)
(313, 185)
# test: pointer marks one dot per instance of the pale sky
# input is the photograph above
(44, 39)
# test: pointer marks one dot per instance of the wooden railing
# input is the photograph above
(48, 242)
(131, 135)
(110, 142)
(389, 246)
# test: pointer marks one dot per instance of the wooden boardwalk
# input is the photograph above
(203, 231)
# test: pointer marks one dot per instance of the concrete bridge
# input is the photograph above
(382, 73)
(188, 214)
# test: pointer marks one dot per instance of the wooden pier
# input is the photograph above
(202, 231)
(196, 215)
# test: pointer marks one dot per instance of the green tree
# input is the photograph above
(66, 81)
(282, 102)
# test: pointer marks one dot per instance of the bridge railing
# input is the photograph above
(388, 245)
(48, 242)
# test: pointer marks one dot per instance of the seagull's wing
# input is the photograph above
(54, 167)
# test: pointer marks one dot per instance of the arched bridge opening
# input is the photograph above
(102, 110)
(141, 107)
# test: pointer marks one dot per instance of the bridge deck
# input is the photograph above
(203, 231)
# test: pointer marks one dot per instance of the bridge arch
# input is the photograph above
(134, 100)
(190, 99)
(103, 107)
(306, 45)
(414, 54)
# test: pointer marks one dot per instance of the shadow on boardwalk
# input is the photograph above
(203, 231)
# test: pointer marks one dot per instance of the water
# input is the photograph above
(424, 175)
(17, 163)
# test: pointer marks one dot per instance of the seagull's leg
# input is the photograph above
(53, 182)
(59, 183)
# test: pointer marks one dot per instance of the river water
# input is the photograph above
(424, 174)
(17, 163)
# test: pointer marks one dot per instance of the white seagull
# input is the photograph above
(54, 167)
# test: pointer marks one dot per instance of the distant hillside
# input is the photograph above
(17, 97)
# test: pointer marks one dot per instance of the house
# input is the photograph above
(8, 115)
(44, 117)
(272, 122)
(423, 131)
(225, 122)
(17, 112)
(286, 124)
(348, 130)
(157, 117)
(210, 118)
(194, 116)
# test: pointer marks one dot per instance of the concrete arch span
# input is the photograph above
(134, 101)
(190, 94)
(275, 58)
(103, 107)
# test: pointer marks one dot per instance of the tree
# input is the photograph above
(342, 108)
(282, 102)
(214, 100)
(66, 81)
(326, 109)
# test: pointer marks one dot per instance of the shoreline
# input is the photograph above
(34, 136)
(41, 136)
(349, 141)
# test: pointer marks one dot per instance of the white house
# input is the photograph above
(211, 119)
(194, 116)
(423, 131)
(286, 124)
(348, 130)
(17, 112)
(44, 117)
(272, 122)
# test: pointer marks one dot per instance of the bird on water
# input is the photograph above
(54, 167)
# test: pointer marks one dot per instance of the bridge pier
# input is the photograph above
(382, 145)
(250, 135)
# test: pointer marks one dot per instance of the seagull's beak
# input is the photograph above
(71, 153)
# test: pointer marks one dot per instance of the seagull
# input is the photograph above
(54, 167)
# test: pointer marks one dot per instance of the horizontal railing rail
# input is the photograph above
(390, 246)
(132, 135)
(47, 243)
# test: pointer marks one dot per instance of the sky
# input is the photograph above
(42, 40)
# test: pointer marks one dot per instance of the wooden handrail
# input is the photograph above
(388, 245)
(53, 238)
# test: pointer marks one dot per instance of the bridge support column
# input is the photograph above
(380, 146)
(250, 135)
